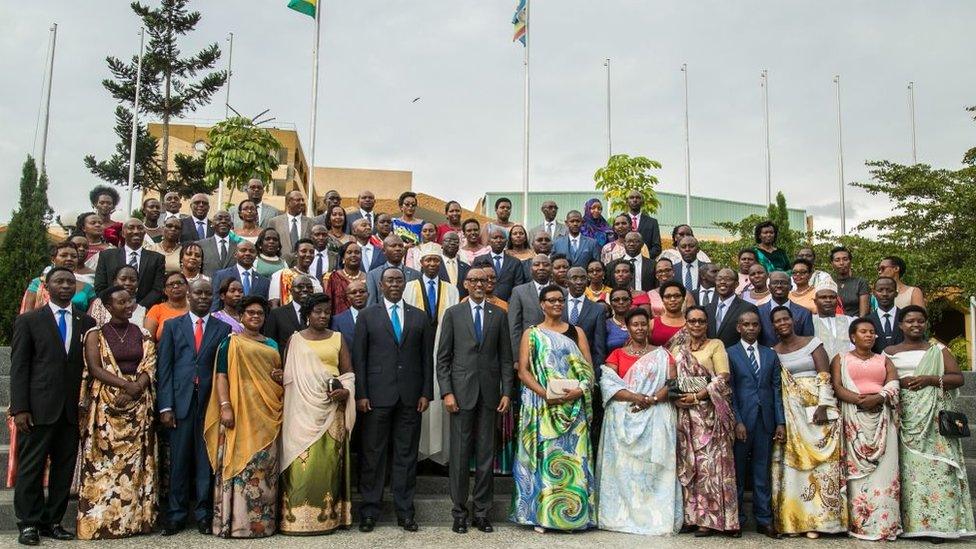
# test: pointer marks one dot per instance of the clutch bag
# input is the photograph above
(683, 385)
(832, 413)
(953, 424)
(557, 388)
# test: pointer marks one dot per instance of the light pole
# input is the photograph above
(764, 84)
(684, 69)
(840, 159)
(135, 124)
(609, 127)
(911, 113)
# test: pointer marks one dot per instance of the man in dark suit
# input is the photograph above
(243, 270)
(366, 201)
(150, 265)
(508, 270)
(219, 249)
(779, 291)
(524, 309)
(284, 321)
(345, 322)
(293, 225)
(46, 362)
(197, 226)
(577, 247)
(758, 407)
(474, 370)
(643, 268)
(688, 270)
(255, 193)
(184, 376)
(395, 250)
(453, 269)
(325, 259)
(372, 255)
(393, 357)
(541, 244)
(725, 309)
(885, 317)
(707, 273)
(644, 224)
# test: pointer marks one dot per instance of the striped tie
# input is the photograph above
(753, 361)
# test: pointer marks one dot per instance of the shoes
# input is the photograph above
(704, 533)
(205, 526)
(56, 532)
(460, 526)
(734, 533)
(29, 536)
(767, 531)
(687, 529)
(171, 529)
(482, 524)
(366, 524)
(408, 524)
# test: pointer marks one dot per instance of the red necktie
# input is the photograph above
(633, 222)
(198, 335)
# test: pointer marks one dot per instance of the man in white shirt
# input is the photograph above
(219, 249)
(366, 201)
(172, 203)
(686, 270)
(325, 260)
(550, 225)
(197, 226)
(372, 255)
(292, 225)
(830, 328)
(706, 287)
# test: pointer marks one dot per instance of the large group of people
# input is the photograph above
(241, 371)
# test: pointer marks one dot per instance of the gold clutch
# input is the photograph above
(557, 388)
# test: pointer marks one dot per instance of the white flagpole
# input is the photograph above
(911, 112)
(609, 126)
(310, 206)
(684, 69)
(230, 72)
(525, 152)
(764, 83)
(135, 124)
(840, 160)
(42, 160)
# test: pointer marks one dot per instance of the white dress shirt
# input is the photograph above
(572, 302)
(241, 270)
(894, 315)
(694, 272)
(67, 320)
(638, 268)
(367, 250)
(718, 305)
(755, 349)
(128, 256)
(389, 310)
(474, 314)
(298, 219)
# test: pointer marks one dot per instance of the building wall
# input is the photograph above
(385, 184)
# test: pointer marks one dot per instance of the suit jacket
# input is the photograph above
(679, 277)
(280, 224)
(388, 372)
(802, 322)
(415, 293)
(373, 281)
(885, 339)
(727, 331)
(509, 277)
(593, 321)
(588, 250)
(189, 230)
(561, 229)
(466, 368)
(354, 216)
(282, 322)
(260, 285)
(379, 258)
(44, 380)
(462, 273)
(344, 324)
(179, 363)
(265, 215)
(211, 256)
(756, 398)
(523, 311)
(152, 268)
(648, 282)
(650, 233)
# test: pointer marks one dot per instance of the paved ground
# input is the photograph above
(507, 537)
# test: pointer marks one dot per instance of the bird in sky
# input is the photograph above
(415, 99)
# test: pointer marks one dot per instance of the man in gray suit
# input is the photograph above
(523, 307)
(474, 370)
(219, 249)
(255, 193)
(292, 225)
(550, 224)
(394, 249)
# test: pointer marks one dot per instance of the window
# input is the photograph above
(280, 187)
(282, 156)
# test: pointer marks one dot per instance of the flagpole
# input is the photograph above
(764, 84)
(47, 104)
(230, 72)
(525, 152)
(135, 124)
(911, 112)
(684, 69)
(840, 160)
(609, 126)
(310, 206)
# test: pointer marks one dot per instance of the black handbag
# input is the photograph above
(953, 424)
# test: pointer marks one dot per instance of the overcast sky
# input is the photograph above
(464, 135)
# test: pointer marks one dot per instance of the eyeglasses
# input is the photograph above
(477, 281)
(696, 321)
(555, 300)
(258, 312)
(175, 284)
(622, 299)
(671, 296)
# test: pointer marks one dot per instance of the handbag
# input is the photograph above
(557, 387)
(953, 424)
(684, 385)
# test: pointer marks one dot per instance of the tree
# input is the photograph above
(789, 239)
(24, 252)
(148, 174)
(239, 151)
(624, 174)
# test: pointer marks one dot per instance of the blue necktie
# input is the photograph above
(63, 325)
(753, 361)
(395, 320)
(498, 264)
(432, 299)
(318, 266)
(688, 277)
(200, 230)
(246, 283)
(573, 247)
(574, 312)
(478, 334)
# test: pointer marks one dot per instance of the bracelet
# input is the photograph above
(941, 386)
(225, 403)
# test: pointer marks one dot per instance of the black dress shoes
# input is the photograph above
(734, 533)
(205, 527)
(171, 529)
(460, 526)
(408, 524)
(56, 532)
(29, 536)
(483, 524)
(366, 524)
(767, 531)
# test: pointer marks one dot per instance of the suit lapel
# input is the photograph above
(52, 327)
(210, 331)
(76, 335)
(404, 325)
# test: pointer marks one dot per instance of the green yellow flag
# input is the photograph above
(304, 6)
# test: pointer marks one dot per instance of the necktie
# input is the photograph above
(432, 299)
(223, 250)
(753, 361)
(498, 264)
(198, 335)
(201, 231)
(706, 297)
(887, 324)
(134, 260)
(688, 276)
(720, 315)
(369, 217)
(395, 320)
(633, 222)
(294, 230)
(574, 312)
(246, 282)
(573, 246)
(63, 326)
(318, 266)
(550, 228)
(451, 266)
(478, 334)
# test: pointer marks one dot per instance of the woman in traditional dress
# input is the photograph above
(595, 225)
(104, 200)
(169, 246)
(706, 427)
(803, 292)
(316, 488)
(269, 259)
(407, 227)
(758, 291)
(127, 277)
(250, 227)
(63, 254)
(639, 488)
(175, 288)
(895, 267)
(672, 320)
(771, 257)
(867, 386)
(597, 290)
(809, 492)
(89, 225)
(621, 303)
(117, 491)
(242, 426)
(230, 295)
(518, 243)
(348, 270)
(473, 246)
(82, 271)
(614, 248)
(935, 497)
(553, 472)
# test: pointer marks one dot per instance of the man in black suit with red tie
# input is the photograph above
(46, 362)
(644, 224)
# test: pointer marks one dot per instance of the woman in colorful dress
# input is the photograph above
(63, 254)
(175, 288)
(230, 294)
(673, 319)
(169, 246)
(706, 428)
(809, 492)
(104, 200)
(639, 488)
(269, 259)
(518, 243)
(319, 416)
(803, 293)
(621, 303)
(407, 227)
(89, 225)
(250, 228)
(348, 270)
(242, 427)
(597, 290)
(867, 386)
(473, 246)
(117, 490)
(452, 211)
(82, 271)
(553, 472)
(336, 225)
(126, 277)
(614, 248)
(935, 497)
(191, 262)
(758, 291)
(771, 257)
(595, 225)
(428, 241)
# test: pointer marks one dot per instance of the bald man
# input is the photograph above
(197, 226)
(292, 225)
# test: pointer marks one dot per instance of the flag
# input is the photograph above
(521, 27)
(303, 6)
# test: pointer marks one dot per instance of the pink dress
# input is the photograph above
(868, 375)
